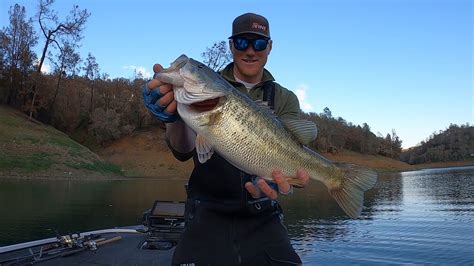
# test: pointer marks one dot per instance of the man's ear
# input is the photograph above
(231, 46)
(270, 42)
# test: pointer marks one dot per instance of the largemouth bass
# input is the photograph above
(251, 138)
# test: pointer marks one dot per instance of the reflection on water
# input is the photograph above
(35, 209)
(420, 217)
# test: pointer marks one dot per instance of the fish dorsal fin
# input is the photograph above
(305, 131)
(204, 149)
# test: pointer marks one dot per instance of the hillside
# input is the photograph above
(145, 154)
(32, 149)
(456, 143)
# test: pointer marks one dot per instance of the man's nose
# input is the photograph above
(250, 50)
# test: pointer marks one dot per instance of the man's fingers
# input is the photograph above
(166, 88)
(267, 190)
(281, 181)
(171, 108)
(163, 88)
(154, 83)
(303, 176)
(253, 190)
(166, 99)
(284, 186)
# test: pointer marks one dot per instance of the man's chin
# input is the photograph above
(250, 71)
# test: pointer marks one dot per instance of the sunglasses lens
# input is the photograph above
(241, 44)
(260, 44)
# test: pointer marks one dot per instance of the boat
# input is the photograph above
(151, 243)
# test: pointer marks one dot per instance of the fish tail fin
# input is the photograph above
(350, 194)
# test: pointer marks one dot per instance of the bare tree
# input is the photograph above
(16, 43)
(67, 61)
(218, 56)
(58, 32)
(91, 69)
(396, 145)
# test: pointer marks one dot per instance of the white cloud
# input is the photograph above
(45, 69)
(302, 97)
(139, 70)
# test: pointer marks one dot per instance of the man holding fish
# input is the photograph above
(242, 129)
(232, 217)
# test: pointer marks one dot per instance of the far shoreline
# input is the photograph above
(440, 165)
(99, 177)
(24, 176)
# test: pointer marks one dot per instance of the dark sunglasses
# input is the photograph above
(242, 44)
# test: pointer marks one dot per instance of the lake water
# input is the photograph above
(420, 217)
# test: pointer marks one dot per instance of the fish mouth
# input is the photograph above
(206, 105)
(178, 63)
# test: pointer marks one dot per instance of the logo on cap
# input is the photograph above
(257, 26)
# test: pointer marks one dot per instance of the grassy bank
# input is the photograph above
(32, 149)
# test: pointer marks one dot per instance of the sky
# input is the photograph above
(403, 65)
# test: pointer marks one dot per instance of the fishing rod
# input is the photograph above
(53, 240)
(61, 246)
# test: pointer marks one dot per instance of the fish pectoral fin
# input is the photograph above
(350, 194)
(304, 130)
(204, 149)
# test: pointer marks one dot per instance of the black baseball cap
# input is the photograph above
(250, 23)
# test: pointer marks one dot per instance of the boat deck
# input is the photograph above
(149, 244)
(116, 249)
